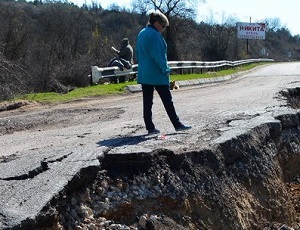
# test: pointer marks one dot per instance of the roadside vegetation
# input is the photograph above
(115, 89)
(51, 46)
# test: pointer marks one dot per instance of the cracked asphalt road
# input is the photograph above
(42, 147)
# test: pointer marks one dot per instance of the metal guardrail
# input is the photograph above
(107, 72)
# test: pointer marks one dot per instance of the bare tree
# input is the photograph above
(174, 10)
(13, 79)
(218, 37)
(171, 8)
(272, 24)
(14, 31)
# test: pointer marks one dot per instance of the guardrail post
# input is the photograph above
(95, 74)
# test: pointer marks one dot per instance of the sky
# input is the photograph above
(243, 10)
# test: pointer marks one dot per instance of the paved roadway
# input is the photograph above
(43, 162)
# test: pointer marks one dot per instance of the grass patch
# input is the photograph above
(180, 77)
(114, 89)
(85, 92)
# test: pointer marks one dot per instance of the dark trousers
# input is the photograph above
(166, 97)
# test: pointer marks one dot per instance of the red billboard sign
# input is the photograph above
(251, 30)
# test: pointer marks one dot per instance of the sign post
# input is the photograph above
(250, 30)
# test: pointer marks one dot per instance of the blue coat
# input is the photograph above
(151, 51)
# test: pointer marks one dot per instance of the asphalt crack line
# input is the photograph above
(44, 166)
(31, 174)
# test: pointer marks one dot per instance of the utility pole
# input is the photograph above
(248, 42)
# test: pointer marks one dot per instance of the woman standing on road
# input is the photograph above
(154, 72)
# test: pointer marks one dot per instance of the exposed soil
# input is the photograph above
(251, 182)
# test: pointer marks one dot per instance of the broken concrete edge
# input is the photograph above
(265, 127)
(28, 209)
(48, 214)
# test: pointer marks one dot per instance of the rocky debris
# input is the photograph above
(13, 105)
(196, 190)
(292, 95)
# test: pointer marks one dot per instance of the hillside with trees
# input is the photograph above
(51, 46)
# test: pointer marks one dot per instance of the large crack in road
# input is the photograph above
(247, 181)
